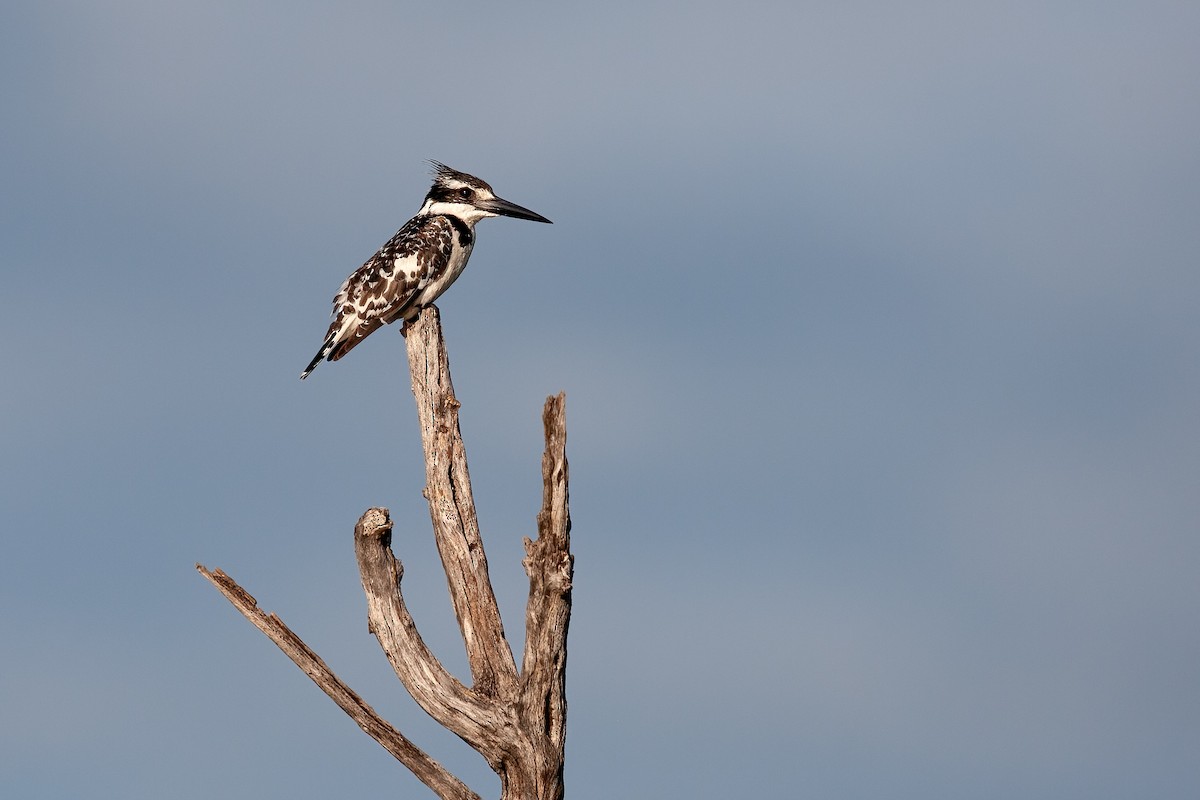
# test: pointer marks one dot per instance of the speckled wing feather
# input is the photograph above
(389, 285)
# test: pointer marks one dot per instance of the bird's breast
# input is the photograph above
(455, 265)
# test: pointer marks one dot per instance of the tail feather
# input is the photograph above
(318, 358)
(342, 337)
(339, 348)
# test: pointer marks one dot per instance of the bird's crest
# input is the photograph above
(448, 177)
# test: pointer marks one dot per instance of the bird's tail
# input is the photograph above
(343, 335)
(318, 358)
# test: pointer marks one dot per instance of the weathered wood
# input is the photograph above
(523, 736)
(443, 696)
(428, 771)
(515, 720)
(452, 509)
(550, 567)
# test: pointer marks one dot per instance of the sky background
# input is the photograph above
(879, 326)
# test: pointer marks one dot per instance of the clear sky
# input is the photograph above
(879, 330)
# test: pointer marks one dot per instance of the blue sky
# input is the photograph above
(878, 326)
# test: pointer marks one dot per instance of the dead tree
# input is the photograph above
(515, 718)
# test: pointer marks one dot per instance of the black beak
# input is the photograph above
(507, 209)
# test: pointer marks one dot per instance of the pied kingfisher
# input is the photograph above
(417, 264)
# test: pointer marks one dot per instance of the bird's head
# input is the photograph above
(457, 194)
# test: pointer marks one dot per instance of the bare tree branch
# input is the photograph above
(550, 566)
(428, 771)
(524, 736)
(516, 721)
(452, 509)
(475, 718)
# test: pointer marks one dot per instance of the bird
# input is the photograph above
(416, 265)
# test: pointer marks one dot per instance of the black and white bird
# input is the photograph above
(417, 264)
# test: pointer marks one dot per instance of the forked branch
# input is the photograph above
(515, 720)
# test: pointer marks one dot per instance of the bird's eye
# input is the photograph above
(464, 193)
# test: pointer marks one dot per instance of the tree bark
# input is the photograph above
(428, 771)
(452, 509)
(523, 737)
(515, 719)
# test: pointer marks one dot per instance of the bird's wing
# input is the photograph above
(385, 288)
